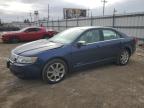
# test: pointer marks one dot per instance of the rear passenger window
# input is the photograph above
(37, 29)
(109, 34)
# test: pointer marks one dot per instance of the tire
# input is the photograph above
(22, 78)
(14, 40)
(54, 71)
(123, 58)
(46, 37)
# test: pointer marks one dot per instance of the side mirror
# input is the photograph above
(81, 43)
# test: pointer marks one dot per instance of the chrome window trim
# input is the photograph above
(104, 41)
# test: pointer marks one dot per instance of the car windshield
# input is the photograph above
(22, 30)
(67, 36)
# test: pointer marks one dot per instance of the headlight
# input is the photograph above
(22, 59)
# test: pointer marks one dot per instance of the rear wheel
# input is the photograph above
(123, 58)
(46, 37)
(54, 71)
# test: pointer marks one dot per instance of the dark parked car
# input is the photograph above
(7, 28)
(27, 34)
(74, 48)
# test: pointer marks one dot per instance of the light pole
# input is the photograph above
(104, 2)
(48, 12)
(36, 13)
(31, 16)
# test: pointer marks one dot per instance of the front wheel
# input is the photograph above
(14, 40)
(123, 58)
(54, 71)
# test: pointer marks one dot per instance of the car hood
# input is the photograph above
(36, 47)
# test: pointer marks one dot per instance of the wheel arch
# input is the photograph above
(61, 58)
(14, 37)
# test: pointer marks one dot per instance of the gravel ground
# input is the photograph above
(107, 86)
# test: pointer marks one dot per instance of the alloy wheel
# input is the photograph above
(124, 57)
(55, 72)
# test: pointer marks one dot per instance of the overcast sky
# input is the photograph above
(17, 10)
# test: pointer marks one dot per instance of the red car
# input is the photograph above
(28, 34)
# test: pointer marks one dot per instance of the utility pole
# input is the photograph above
(48, 12)
(17, 19)
(0, 21)
(104, 2)
(88, 10)
(91, 19)
(114, 11)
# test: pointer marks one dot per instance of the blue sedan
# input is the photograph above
(51, 59)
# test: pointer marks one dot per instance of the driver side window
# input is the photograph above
(90, 36)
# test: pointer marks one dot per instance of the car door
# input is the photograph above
(38, 33)
(111, 44)
(31, 34)
(88, 53)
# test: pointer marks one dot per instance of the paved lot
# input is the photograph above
(108, 86)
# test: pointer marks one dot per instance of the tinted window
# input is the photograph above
(109, 34)
(33, 30)
(37, 29)
(90, 36)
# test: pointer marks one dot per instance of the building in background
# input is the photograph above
(74, 13)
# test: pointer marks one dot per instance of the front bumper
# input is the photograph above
(24, 70)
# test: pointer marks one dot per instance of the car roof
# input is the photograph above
(33, 27)
(91, 27)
